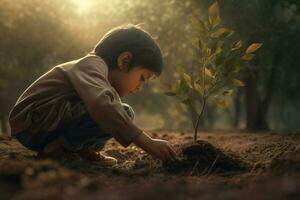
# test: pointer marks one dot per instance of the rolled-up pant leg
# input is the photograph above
(82, 131)
(77, 130)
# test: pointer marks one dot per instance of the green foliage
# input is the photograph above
(219, 57)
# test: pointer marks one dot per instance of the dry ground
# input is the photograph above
(273, 171)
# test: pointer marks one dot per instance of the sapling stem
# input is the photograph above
(204, 100)
(198, 120)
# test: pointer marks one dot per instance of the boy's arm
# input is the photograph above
(161, 149)
(89, 79)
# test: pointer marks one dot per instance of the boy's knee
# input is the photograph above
(129, 110)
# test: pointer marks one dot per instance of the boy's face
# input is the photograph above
(128, 82)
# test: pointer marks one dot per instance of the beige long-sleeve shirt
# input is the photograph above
(46, 98)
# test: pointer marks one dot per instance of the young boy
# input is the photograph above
(76, 106)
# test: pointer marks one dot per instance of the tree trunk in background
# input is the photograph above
(269, 88)
(254, 108)
(237, 108)
(258, 105)
(268, 97)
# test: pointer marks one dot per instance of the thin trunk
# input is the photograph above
(194, 114)
(267, 100)
(269, 89)
(237, 109)
(198, 120)
(255, 115)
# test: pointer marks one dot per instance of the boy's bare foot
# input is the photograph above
(98, 157)
(56, 150)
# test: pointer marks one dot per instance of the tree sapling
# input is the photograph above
(219, 60)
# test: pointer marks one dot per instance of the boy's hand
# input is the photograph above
(160, 149)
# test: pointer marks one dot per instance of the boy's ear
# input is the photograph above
(124, 60)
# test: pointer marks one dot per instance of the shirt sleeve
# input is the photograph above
(103, 104)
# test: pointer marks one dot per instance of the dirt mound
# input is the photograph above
(202, 158)
(273, 173)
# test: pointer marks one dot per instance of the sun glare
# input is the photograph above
(83, 5)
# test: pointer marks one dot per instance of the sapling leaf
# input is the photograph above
(248, 57)
(208, 73)
(237, 83)
(218, 64)
(198, 25)
(196, 43)
(188, 79)
(222, 33)
(237, 45)
(227, 92)
(223, 103)
(214, 14)
(199, 88)
(219, 48)
(253, 47)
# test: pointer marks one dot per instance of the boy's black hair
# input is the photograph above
(132, 38)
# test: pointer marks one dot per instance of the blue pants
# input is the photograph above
(78, 132)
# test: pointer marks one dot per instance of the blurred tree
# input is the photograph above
(32, 38)
(275, 72)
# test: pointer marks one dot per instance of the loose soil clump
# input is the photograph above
(202, 158)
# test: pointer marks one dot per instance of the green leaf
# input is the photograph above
(216, 48)
(188, 79)
(214, 14)
(222, 33)
(222, 103)
(208, 73)
(196, 42)
(248, 57)
(237, 45)
(198, 25)
(219, 48)
(199, 88)
(237, 83)
(253, 47)
(208, 51)
(227, 92)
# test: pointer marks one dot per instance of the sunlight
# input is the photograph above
(83, 5)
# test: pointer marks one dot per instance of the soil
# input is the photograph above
(221, 165)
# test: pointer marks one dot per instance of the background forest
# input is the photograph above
(37, 35)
